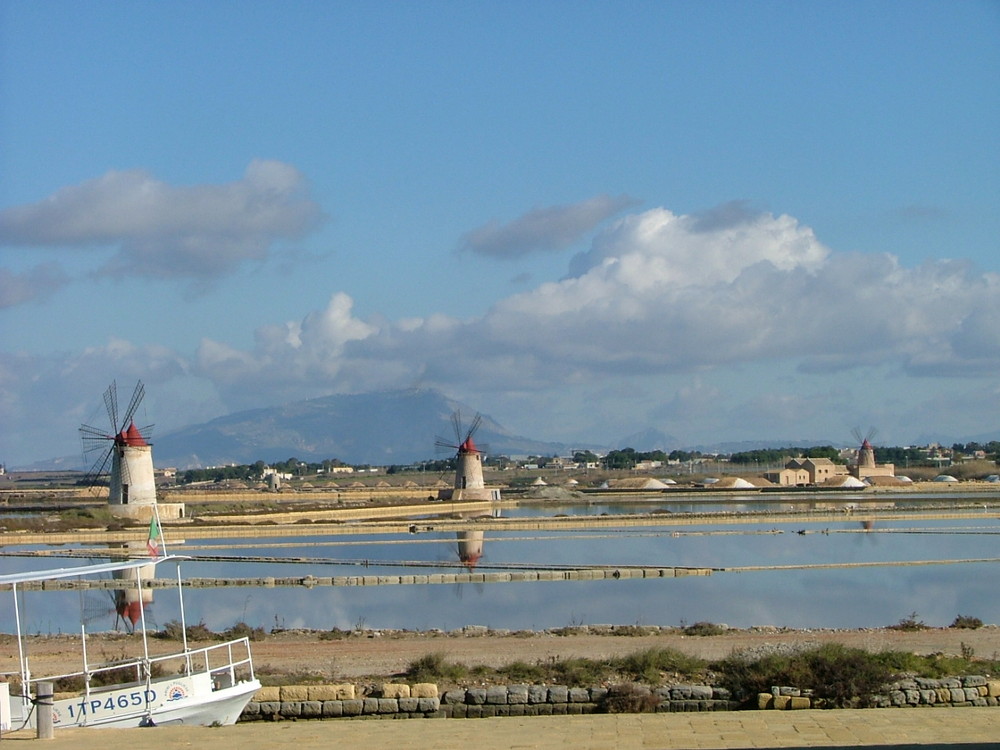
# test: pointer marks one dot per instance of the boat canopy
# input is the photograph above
(84, 570)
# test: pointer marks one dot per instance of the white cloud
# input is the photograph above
(659, 246)
(35, 284)
(543, 229)
(165, 231)
(659, 293)
(693, 319)
(294, 359)
(44, 399)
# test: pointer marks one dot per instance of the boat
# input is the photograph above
(207, 686)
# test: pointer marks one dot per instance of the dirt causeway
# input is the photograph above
(381, 655)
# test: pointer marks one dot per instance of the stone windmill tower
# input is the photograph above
(469, 484)
(865, 466)
(866, 454)
(125, 454)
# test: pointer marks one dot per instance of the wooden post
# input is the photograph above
(43, 705)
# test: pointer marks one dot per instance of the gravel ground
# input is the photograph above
(382, 654)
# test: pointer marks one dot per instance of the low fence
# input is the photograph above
(400, 701)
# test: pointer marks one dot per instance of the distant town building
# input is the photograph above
(799, 472)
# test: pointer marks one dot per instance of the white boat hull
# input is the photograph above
(204, 686)
(190, 700)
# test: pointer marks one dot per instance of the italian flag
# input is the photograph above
(153, 542)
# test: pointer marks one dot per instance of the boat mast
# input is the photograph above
(25, 672)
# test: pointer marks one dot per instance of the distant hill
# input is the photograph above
(382, 428)
(649, 440)
(741, 446)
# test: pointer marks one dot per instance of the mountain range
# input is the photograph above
(382, 428)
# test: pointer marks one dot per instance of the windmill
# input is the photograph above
(469, 483)
(127, 606)
(468, 458)
(126, 449)
(126, 455)
(866, 454)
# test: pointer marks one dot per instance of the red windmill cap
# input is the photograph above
(132, 437)
(131, 610)
(470, 560)
(468, 446)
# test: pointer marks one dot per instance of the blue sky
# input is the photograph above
(722, 220)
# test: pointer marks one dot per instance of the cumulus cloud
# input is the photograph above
(292, 358)
(44, 398)
(732, 297)
(657, 293)
(37, 283)
(166, 231)
(542, 229)
(700, 249)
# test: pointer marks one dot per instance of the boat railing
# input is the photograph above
(226, 663)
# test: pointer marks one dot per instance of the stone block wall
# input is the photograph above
(392, 700)
(969, 690)
(395, 700)
(402, 701)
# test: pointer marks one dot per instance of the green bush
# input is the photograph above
(629, 699)
(967, 622)
(937, 665)
(650, 664)
(839, 676)
(242, 630)
(334, 634)
(843, 676)
(578, 671)
(435, 668)
(519, 671)
(703, 628)
(909, 624)
(172, 632)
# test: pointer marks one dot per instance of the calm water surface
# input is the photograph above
(837, 597)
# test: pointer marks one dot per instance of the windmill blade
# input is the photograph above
(146, 431)
(93, 438)
(456, 423)
(99, 468)
(443, 447)
(137, 394)
(475, 426)
(111, 402)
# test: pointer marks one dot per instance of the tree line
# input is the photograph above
(620, 459)
(256, 471)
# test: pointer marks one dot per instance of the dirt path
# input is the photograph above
(375, 655)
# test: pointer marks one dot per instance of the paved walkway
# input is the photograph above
(960, 728)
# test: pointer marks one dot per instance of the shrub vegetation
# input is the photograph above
(838, 675)
(965, 621)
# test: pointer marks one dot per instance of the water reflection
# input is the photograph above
(795, 597)
(132, 603)
(470, 541)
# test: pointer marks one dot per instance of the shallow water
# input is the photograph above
(818, 597)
